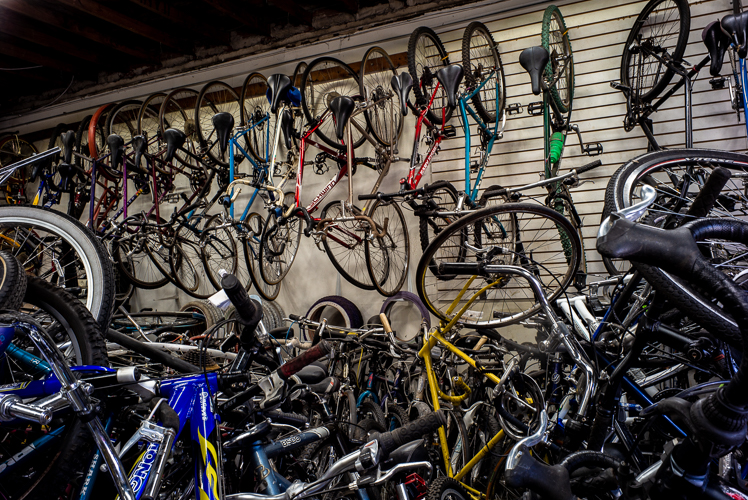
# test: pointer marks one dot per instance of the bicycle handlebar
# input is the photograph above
(390, 441)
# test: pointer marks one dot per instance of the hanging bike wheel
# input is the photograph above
(519, 234)
(298, 74)
(659, 33)
(345, 246)
(215, 97)
(387, 257)
(218, 250)
(383, 118)
(253, 226)
(480, 57)
(559, 71)
(255, 106)
(426, 56)
(325, 79)
(279, 244)
(148, 124)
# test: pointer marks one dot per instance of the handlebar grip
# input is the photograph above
(551, 481)
(286, 418)
(12, 407)
(589, 166)
(709, 193)
(363, 197)
(389, 441)
(295, 317)
(385, 322)
(246, 310)
(299, 362)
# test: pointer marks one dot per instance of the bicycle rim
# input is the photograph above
(384, 118)
(480, 57)
(560, 68)
(387, 257)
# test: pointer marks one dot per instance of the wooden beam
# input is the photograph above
(187, 21)
(71, 24)
(13, 50)
(349, 6)
(293, 9)
(139, 28)
(239, 12)
(15, 25)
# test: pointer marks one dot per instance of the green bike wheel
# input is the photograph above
(559, 71)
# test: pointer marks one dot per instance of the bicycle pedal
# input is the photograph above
(450, 131)
(172, 198)
(593, 149)
(580, 280)
(514, 109)
(718, 83)
(535, 108)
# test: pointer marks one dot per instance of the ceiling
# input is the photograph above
(55, 50)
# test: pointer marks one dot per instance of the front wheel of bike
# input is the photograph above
(388, 256)
(278, 246)
(252, 227)
(518, 234)
(481, 63)
(345, 245)
(559, 71)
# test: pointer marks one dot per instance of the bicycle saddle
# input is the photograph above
(450, 77)
(716, 42)
(175, 139)
(287, 127)
(117, 148)
(342, 107)
(223, 123)
(139, 143)
(278, 91)
(736, 26)
(534, 60)
(402, 84)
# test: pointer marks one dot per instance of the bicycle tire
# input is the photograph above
(662, 168)
(387, 258)
(445, 199)
(480, 56)
(85, 252)
(384, 119)
(345, 246)
(55, 140)
(148, 125)
(349, 312)
(97, 132)
(279, 244)
(427, 55)
(140, 257)
(185, 261)
(255, 106)
(215, 97)
(178, 111)
(218, 250)
(81, 140)
(14, 148)
(555, 39)
(12, 281)
(526, 235)
(649, 29)
(298, 74)
(324, 79)
(254, 224)
(65, 318)
(371, 410)
(123, 120)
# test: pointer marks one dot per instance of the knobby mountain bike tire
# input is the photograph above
(520, 234)
(385, 120)
(480, 56)
(253, 225)
(52, 469)
(678, 176)
(12, 281)
(42, 240)
(426, 56)
(559, 71)
(662, 28)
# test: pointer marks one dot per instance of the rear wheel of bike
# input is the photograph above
(279, 244)
(345, 246)
(123, 120)
(480, 57)
(218, 250)
(178, 111)
(185, 260)
(518, 234)
(387, 257)
(12, 281)
(132, 257)
(384, 118)
(253, 226)
(426, 56)
(215, 97)
(53, 465)
(659, 33)
(325, 79)
(255, 107)
(560, 69)
(59, 249)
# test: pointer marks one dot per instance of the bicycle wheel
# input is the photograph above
(384, 119)
(215, 97)
(50, 469)
(59, 249)
(519, 234)
(298, 74)
(97, 133)
(218, 250)
(178, 111)
(345, 246)
(81, 141)
(185, 261)
(444, 199)
(387, 258)
(55, 141)
(255, 106)
(560, 69)
(132, 256)
(123, 120)
(14, 148)
(426, 56)
(148, 125)
(279, 244)
(480, 57)
(325, 79)
(660, 33)
(253, 226)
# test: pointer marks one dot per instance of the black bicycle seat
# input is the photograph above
(223, 123)
(287, 127)
(68, 138)
(117, 147)
(717, 42)
(450, 77)
(737, 26)
(175, 139)
(342, 108)
(139, 143)
(402, 84)
(279, 87)
(534, 60)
